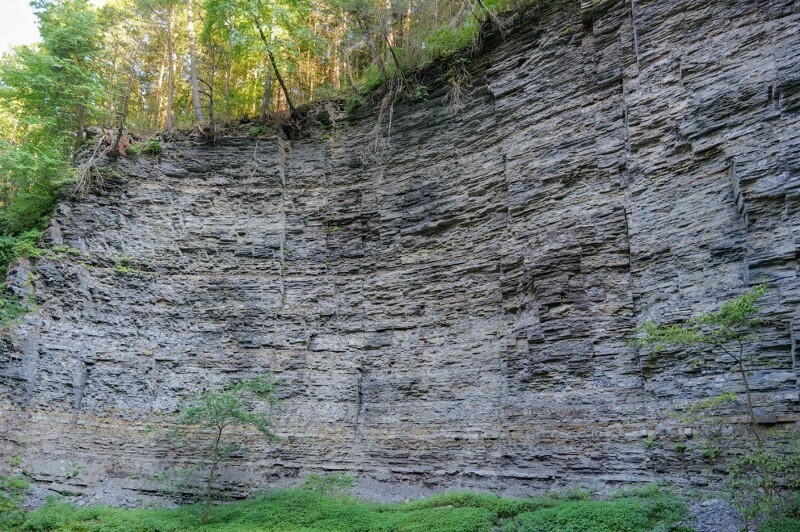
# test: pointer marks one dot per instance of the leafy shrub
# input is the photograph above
(25, 245)
(12, 493)
(125, 267)
(14, 247)
(762, 480)
(65, 250)
(203, 420)
(257, 131)
(446, 40)
(11, 309)
(631, 514)
(126, 271)
(152, 147)
(32, 176)
(352, 102)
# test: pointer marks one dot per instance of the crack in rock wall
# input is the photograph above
(454, 312)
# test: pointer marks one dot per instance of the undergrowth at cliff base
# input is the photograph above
(310, 510)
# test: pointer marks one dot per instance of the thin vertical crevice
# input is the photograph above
(285, 146)
(633, 30)
(359, 398)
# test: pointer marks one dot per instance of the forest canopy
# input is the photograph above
(164, 65)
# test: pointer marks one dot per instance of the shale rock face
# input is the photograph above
(449, 303)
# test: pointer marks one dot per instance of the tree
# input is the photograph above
(195, 85)
(759, 480)
(211, 418)
(69, 30)
(728, 331)
(50, 90)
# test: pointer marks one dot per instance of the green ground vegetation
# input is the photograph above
(311, 510)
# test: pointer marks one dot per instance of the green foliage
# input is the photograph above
(11, 248)
(621, 515)
(310, 510)
(334, 485)
(781, 524)
(710, 452)
(701, 410)
(573, 494)
(219, 409)
(352, 102)
(205, 422)
(762, 480)
(126, 271)
(152, 147)
(11, 309)
(257, 131)
(47, 92)
(13, 490)
(372, 78)
(32, 173)
(418, 92)
(734, 321)
(446, 40)
(25, 245)
(758, 481)
(124, 267)
(502, 508)
(22, 245)
(65, 250)
(14, 461)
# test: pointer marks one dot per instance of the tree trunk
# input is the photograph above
(292, 110)
(170, 70)
(80, 135)
(750, 407)
(229, 68)
(112, 79)
(389, 23)
(212, 74)
(407, 22)
(160, 92)
(336, 72)
(349, 69)
(117, 148)
(215, 459)
(743, 373)
(267, 99)
(373, 48)
(198, 110)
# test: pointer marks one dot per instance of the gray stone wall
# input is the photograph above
(453, 308)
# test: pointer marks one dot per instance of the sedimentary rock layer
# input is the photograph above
(448, 299)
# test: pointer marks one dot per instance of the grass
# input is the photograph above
(310, 510)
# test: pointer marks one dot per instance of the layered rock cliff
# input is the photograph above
(448, 300)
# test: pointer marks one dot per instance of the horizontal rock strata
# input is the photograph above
(448, 300)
